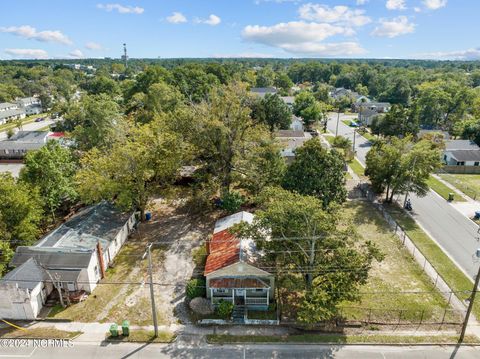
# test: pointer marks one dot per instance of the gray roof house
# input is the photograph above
(262, 91)
(16, 147)
(461, 156)
(31, 105)
(10, 111)
(76, 255)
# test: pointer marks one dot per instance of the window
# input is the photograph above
(220, 290)
(259, 290)
(461, 163)
(476, 163)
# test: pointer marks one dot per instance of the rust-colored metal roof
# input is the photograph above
(237, 283)
(224, 251)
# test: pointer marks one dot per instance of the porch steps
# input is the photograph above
(238, 314)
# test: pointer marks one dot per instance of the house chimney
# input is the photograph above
(100, 260)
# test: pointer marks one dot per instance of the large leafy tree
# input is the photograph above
(302, 101)
(396, 122)
(273, 112)
(20, 210)
(317, 172)
(399, 166)
(51, 169)
(132, 170)
(305, 243)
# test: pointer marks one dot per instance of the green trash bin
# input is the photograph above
(125, 328)
(114, 330)
(451, 196)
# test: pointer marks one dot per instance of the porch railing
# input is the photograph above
(256, 301)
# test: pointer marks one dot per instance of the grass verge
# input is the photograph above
(442, 189)
(338, 339)
(38, 333)
(357, 167)
(143, 336)
(454, 277)
(467, 183)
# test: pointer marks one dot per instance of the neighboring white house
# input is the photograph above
(290, 140)
(233, 271)
(75, 255)
(10, 111)
(31, 105)
(461, 153)
(297, 124)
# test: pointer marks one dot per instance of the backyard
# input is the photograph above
(397, 288)
(124, 292)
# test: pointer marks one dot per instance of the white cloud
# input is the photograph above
(301, 37)
(27, 53)
(434, 4)
(122, 9)
(417, 9)
(468, 55)
(395, 27)
(176, 18)
(362, 2)
(212, 20)
(30, 32)
(334, 15)
(395, 5)
(244, 55)
(93, 46)
(76, 54)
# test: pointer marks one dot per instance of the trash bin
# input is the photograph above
(451, 196)
(148, 216)
(114, 330)
(125, 328)
(477, 214)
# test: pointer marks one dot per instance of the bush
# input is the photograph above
(225, 309)
(195, 288)
(232, 201)
(200, 255)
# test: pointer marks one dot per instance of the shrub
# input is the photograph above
(232, 201)
(225, 309)
(195, 288)
(200, 255)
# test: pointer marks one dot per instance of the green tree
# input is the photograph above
(308, 248)
(317, 172)
(399, 166)
(51, 169)
(302, 101)
(273, 112)
(132, 170)
(314, 114)
(283, 82)
(396, 122)
(20, 210)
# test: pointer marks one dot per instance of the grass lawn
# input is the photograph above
(367, 135)
(337, 339)
(38, 333)
(144, 336)
(468, 184)
(26, 120)
(454, 277)
(398, 272)
(347, 122)
(329, 139)
(442, 189)
(357, 167)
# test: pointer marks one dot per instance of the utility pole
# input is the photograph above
(470, 303)
(354, 132)
(338, 120)
(409, 182)
(148, 254)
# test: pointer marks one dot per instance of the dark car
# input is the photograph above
(40, 119)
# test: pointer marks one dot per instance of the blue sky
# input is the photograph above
(440, 29)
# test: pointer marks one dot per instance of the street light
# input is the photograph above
(148, 254)
(470, 304)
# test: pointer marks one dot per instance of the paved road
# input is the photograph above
(33, 126)
(127, 350)
(455, 233)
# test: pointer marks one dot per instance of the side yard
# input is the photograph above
(468, 184)
(124, 292)
(397, 291)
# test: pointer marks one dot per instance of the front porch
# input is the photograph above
(252, 293)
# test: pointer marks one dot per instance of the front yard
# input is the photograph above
(124, 292)
(397, 290)
(468, 184)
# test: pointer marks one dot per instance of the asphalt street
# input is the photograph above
(33, 126)
(454, 232)
(160, 351)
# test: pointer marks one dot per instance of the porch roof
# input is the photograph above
(238, 283)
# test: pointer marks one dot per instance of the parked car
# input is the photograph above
(354, 124)
(40, 119)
